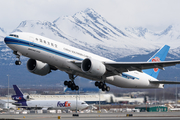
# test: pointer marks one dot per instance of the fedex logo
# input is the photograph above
(65, 104)
(17, 98)
(156, 59)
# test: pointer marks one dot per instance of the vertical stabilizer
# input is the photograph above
(17, 90)
(160, 55)
(19, 97)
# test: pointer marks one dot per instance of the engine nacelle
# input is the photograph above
(93, 67)
(26, 97)
(37, 67)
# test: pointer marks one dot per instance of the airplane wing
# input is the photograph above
(114, 68)
(139, 66)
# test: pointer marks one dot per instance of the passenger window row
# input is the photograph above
(46, 42)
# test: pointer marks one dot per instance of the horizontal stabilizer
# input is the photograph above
(164, 82)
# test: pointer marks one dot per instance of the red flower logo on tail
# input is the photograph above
(156, 59)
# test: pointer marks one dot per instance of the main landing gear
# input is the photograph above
(71, 84)
(102, 85)
(17, 62)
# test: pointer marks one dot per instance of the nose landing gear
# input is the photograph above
(17, 62)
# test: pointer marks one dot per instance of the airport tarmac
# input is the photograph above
(95, 116)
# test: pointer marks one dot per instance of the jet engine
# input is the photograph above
(26, 97)
(38, 67)
(93, 67)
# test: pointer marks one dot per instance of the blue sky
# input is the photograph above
(153, 14)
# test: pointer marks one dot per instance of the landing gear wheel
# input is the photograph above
(107, 88)
(102, 85)
(96, 83)
(17, 62)
(77, 88)
(71, 84)
(65, 83)
(103, 89)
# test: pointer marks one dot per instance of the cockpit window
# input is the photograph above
(83, 103)
(14, 35)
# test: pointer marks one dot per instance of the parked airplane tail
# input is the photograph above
(17, 90)
(160, 55)
(19, 95)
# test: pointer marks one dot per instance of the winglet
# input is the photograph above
(160, 55)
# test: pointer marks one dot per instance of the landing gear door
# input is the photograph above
(31, 41)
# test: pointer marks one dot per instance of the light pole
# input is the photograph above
(76, 101)
(8, 92)
(155, 96)
(99, 100)
(176, 92)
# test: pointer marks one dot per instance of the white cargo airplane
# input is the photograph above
(46, 55)
(25, 102)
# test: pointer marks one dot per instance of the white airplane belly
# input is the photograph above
(125, 82)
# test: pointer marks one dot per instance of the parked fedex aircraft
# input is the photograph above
(25, 102)
(46, 55)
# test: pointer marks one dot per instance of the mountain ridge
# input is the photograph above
(89, 31)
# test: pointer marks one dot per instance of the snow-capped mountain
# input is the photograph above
(170, 35)
(89, 31)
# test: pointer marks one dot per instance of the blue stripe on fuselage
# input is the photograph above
(129, 76)
(12, 40)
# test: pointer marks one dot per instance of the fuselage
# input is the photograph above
(59, 55)
(52, 104)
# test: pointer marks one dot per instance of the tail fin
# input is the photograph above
(19, 97)
(17, 90)
(160, 55)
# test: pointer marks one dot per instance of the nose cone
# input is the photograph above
(5, 40)
(85, 106)
(10, 43)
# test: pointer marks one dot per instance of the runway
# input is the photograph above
(95, 116)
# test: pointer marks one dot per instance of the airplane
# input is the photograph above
(46, 55)
(24, 101)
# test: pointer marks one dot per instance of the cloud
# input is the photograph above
(154, 14)
(142, 12)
